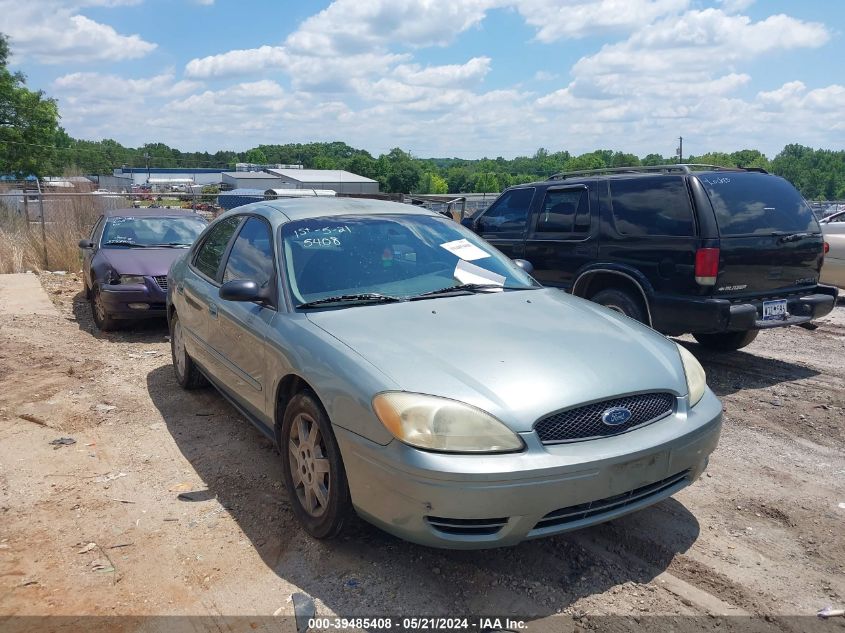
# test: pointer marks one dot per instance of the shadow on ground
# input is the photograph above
(368, 572)
(729, 372)
(130, 331)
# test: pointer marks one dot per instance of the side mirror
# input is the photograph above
(525, 265)
(242, 290)
(470, 224)
(86, 244)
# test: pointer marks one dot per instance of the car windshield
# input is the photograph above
(128, 232)
(367, 258)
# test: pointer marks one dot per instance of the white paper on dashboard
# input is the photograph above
(468, 273)
(465, 249)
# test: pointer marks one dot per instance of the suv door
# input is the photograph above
(558, 242)
(504, 222)
(199, 290)
(239, 333)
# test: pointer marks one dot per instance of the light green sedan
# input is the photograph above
(409, 372)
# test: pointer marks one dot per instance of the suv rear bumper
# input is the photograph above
(679, 315)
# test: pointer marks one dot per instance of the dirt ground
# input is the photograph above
(169, 502)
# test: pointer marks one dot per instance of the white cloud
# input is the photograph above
(454, 75)
(238, 62)
(54, 32)
(578, 18)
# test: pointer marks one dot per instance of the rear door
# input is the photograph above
(504, 222)
(558, 241)
(771, 243)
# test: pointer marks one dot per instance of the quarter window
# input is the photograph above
(213, 247)
(657, 205)
(509, 214)
(251, 258)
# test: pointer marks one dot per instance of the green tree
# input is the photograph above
(432, 183)
(29, 122)
(256, 156)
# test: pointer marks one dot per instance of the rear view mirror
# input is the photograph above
(242, 290)
(86, 244)
(525, 265)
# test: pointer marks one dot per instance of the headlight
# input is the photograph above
(132, 279)
(696, 378)
(443, 425)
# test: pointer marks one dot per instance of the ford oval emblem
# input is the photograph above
(615, 416)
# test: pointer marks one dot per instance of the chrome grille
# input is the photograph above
(161, 280)
(591, 509)
(585, 422)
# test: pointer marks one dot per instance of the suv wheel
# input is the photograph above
(188, 374)
(621, 301)
(727, 341)
(102, 319)
(312, 468)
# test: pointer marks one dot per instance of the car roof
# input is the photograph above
(159, 212)
(302, 208)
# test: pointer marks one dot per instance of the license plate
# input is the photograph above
(774, 310)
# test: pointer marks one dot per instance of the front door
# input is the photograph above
(504, 222)
(239, 333)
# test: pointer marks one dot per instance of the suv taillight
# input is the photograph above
(826, 248)
(706, 266)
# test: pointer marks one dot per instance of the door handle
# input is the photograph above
(212, 310)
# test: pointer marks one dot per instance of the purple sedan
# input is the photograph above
(126, 259)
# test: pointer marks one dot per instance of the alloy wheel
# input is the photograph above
(309, 465)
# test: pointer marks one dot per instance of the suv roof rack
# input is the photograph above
(682, 168)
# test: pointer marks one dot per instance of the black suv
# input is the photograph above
(717, 252)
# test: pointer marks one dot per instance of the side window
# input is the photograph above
(657, 205)
(210, 252)
(565, 211)
(251, 257)
(509, 214)
(96, 230)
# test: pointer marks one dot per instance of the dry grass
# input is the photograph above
(67, 219)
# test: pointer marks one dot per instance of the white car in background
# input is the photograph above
(833, 270)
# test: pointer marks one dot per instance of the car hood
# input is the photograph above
(150, 262)
(518, 355)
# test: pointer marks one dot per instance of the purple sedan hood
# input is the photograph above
(150, 262)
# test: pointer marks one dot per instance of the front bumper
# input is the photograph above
(679, 315)
(482, 501)
(118, 299)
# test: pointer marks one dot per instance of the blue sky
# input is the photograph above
(465, 78)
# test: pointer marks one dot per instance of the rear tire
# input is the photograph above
(312, 468)
(187, 373)
(620, 301)
(727, 341)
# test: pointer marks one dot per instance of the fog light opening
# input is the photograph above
(139, 306)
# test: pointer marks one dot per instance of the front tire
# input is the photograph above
(727, 341)
(187, 373)
(312, 468)
(620, 301)
(102, 318)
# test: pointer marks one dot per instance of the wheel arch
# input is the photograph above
(594, 280)
(287, 388)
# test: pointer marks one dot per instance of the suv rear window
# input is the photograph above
(658, 205)
(757, 204)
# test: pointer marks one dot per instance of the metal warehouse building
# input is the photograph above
(250, 180)
(335, 179)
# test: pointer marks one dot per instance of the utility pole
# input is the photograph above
(147, 162)
(680, 149)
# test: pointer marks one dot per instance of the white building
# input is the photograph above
(337, 180)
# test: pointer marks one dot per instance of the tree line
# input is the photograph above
(33, 143)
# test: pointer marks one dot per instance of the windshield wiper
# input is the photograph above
(465, 288)
(172, 245)
(125, 243)
(782, 238)
(366, 297)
